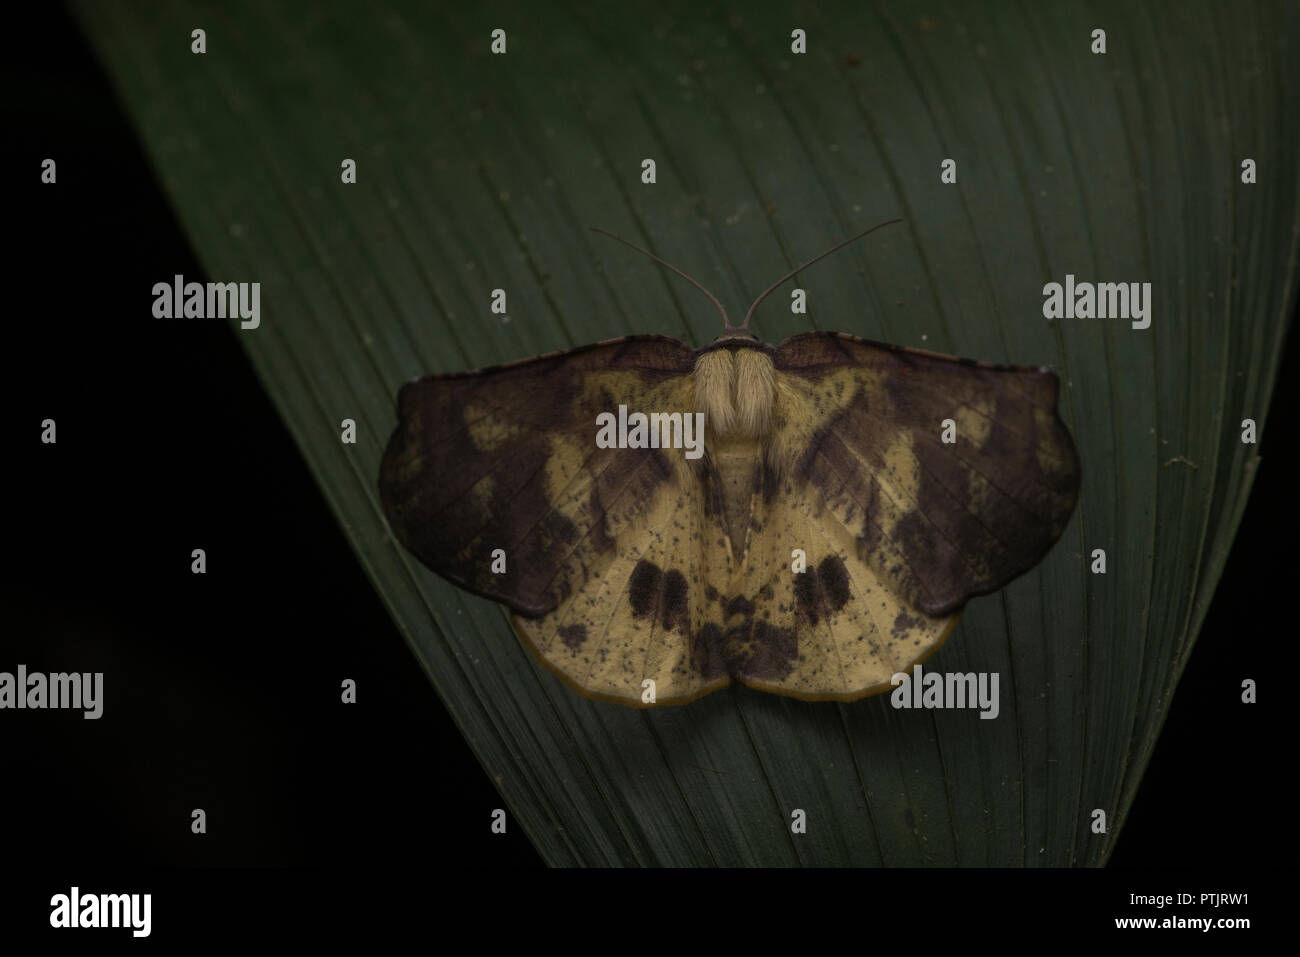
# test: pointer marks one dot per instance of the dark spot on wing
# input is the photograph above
(773, 655)
(643, 588)
(650, 590)
(834, 578)
(740, 605)
(904, 623)
(820, 592)
(676, 605)
(708, 656)
(748, 647)
(573, 636)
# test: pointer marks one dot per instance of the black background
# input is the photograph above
(223, 689)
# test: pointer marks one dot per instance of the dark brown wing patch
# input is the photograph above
(495, 459)
(945, 521)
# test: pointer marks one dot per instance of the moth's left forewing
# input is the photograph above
(503, 462)
(953, 476)
(495, 480)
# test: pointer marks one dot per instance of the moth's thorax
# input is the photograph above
(734, 388)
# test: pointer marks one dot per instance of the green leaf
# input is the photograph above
(478, 171)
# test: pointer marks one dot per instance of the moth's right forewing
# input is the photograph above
(506, 459)
(943, 520)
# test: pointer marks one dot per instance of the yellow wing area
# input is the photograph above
(627, 631)
(837, 630)
(674, 613)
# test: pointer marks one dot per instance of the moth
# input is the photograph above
(850, 498)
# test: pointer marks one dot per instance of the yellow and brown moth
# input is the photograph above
(850, 497)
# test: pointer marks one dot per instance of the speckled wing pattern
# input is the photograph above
(624, 565)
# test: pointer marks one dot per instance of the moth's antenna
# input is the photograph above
(726, 323)
(771, 288)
